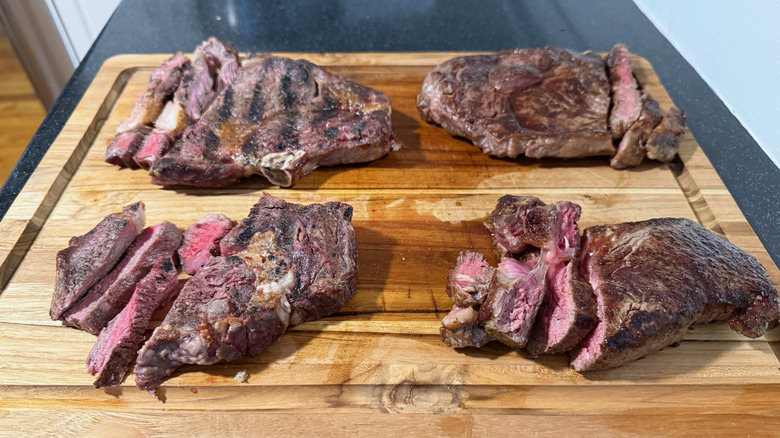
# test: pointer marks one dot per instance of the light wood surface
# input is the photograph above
(378, 365)
(20, 110)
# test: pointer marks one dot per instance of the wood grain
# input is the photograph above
(378, 364)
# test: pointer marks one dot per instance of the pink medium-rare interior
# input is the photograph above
(590, 347)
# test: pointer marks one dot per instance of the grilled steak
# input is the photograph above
(281, 118)
(665, 139)
(271, 116)
(104, 301)
(541, 102)
(544, 102)
(118, 343)
(286, 264)
(655, 279)
(626, 101)
(516, 222)
(515, 295)
(468, 281)
(201, 241)
(631, 149)
(88, 258)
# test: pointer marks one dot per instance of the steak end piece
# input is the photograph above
(516, 293)
(665, 139)
(461, 329)
(201, 241)
(632, 148)
(125, 145)
(626, 100)
(287, 264)
(104, 301)
(468, 281)
(655, 279)
(118, 343)
(515, 223)
(88, 258)
(509, 103)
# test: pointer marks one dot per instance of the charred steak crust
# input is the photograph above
(541, 102)
(281, 118)
(655, 279)
(283, 265)
(88, 258)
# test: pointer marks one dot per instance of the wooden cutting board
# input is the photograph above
(378, 365)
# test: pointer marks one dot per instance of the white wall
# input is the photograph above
(79, 23)
(735, 47)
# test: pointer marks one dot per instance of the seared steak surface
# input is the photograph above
(222, 119)
(657, 278)
(541, 102)
(286, 264)
(88, 258)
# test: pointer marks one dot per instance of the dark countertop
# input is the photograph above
(152, 26)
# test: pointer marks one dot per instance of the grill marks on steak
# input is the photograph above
(283, 265)
(111, 294)
(655, 279)
(539, 102)
(272, 116)
(88, 258)
(281, 118)
(545, 102)
(118, 343)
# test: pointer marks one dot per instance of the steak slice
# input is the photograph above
(516, 222)
(118, 343)
(104, 301)
(291, 263)
(88, 258)
(125, 145)
(219, 56)
(626, 100)
(665, 139)
(468, 281)
(281, 118)
(631, 149)
(657, 278)
(201, 241)
(515, 295)
(541, 102)
(461, 328)
(168, 126)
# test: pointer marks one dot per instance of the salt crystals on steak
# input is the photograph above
(265, 115)
(88, 258)
(655, 279)
(547, 102)
(201, 241)
(104, 301)
(118, 343)
(285, 264)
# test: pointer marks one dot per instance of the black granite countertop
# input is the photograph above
(153, 26)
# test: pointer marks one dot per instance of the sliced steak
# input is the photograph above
(280, 118)
(665, 139)
(219, 56)
(516, 222)
(657, 278)
(292, 263)
(118, 343)
(167, 128)
(201, 241)
(461, 329)
(104, 301)
(626, 101)
(515, 295)
(88, 258)
(541, 102)
(125, 145)
(468, 281)
(631, 149)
